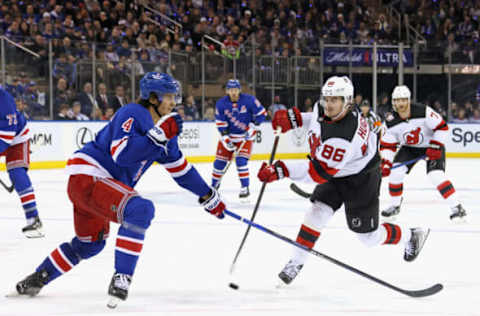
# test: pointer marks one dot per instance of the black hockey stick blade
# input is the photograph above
(299, 191)
(434, 289)
(8, 188)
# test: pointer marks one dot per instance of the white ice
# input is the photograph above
(184, 266)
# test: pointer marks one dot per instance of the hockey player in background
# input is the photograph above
(418, 130)
(15, 146)
(344, 161)
(238, 116)
(103, 175)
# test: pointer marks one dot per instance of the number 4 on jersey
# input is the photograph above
(127, 125)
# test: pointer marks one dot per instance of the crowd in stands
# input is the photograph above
(131, 41)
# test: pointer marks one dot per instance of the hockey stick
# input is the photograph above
(257, 204)
(307, 195)
(235, 153)
(412, 293)
(8, 188)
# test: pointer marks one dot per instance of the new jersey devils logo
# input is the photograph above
(314, 143)
(413, 137)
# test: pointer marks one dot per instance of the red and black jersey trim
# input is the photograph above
(319, 171)
(388, 146)
(441, 127)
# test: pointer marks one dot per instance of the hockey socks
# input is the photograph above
(396, 191)
(242, 169)
(218, 171)
(307, 237)
(63, 258)
(128, 247)
(23, 186)
(392, 234)
(444, 187)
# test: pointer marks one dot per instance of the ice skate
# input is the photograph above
(118, 289)
(415, 244)
(392, 211)
(244, 195)
(34, 230)
(459, 215)
(33, 283)
(290, 272)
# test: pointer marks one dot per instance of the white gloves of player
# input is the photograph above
(227, 143)
(252, 130)
(166, 128)
(375, 123)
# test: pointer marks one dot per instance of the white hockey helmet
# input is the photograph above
(401, 92)
(339, 87)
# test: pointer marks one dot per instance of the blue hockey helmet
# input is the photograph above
(233, 83)
(158, 83)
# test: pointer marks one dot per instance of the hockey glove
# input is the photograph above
(270, 173)
(252, 130)
(166, 128)
(386, 168)
(374, 122)
(213, 204)
(434, 152)
(227, 143)
(287, 119)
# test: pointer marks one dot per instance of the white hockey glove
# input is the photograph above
(166, 128)
(227, 143)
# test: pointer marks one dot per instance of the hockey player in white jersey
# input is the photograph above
(418, 130)
(344, 161)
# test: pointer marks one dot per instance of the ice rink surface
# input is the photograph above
(184, 267)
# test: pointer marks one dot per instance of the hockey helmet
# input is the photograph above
(233, 83)
(158, 83)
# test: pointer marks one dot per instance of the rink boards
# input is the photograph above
(53, 142)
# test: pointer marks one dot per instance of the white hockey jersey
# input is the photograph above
(337, 149)
(423, 126)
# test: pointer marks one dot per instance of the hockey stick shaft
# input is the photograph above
(6, 187)
(307, 195)
(257, 204)
(420, 293)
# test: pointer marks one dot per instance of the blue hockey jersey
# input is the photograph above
(122, 150)
(233, 118)
(13, 124)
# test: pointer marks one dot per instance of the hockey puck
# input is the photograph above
(233, 286)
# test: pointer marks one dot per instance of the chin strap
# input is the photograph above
(340, 115)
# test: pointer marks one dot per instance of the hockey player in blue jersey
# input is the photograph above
(102, 177)
(238, 116)
(15, 146)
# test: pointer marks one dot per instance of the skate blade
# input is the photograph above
(12, 294)
(459, 221)
(113, 302)
(34, 234)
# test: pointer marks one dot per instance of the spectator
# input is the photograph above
(181, 111)
(118, 100)
(461, 116)
(108, 114)
(76, 113)
(191, 109)
(209, 114)
(63, 112)
(475, 117)
(103, 100)
(307, 105)
(87, 100)
(124, 49)
(275, 106)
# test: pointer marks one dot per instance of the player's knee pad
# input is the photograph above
(318, 216)
(241, 161)
(371, 239)
(138, 213)
(19, 178)
(87, 250)
(398, 174)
